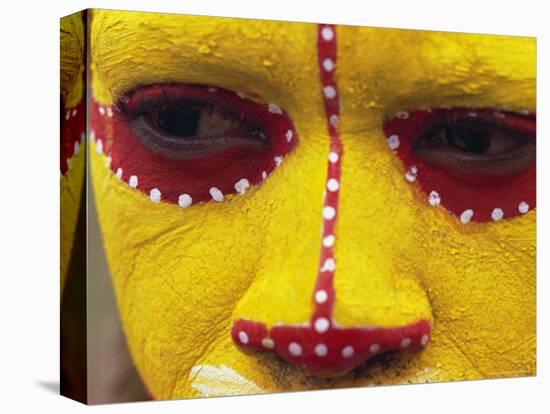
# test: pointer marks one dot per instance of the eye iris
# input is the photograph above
(469, 138)
(180, 122)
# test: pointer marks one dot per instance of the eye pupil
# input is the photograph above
(179, 122)
(468, 138)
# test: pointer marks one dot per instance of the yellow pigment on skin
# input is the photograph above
(72, 91)
(72, 64)
(182, 276)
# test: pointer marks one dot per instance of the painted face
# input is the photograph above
(73, 127)
(292, 206)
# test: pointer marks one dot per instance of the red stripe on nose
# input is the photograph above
(324, 290)
(318, 346)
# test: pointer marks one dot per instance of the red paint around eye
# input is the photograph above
(73, 125)
(203, 179)
(478, 199)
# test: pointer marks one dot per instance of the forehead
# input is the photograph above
(273, 58)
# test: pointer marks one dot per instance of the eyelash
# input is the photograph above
(479, 198)
(172, 175)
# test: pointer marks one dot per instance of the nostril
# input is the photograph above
(325, 350)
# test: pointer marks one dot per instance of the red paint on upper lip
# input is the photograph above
(334, 352)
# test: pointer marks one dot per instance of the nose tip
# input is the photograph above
(331, 352)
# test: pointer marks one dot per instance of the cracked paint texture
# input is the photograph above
(182, 276)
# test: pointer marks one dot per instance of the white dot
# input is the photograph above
(274, 109)
(264, 175)
(133, 181)
(67, 115)
(321, 296)
(523, 111)
(320, 350)
(497, 214)
(99, 147)
(472, 114)
(402, 114)
(332, 185)
(92, 135)
(434, 198)
(294, 349)
(268, 343)
(466, 216)
(243, 337)
(155, 195)
(393, 142)
(109, 112)
(184, 200)
(322, 325)
(76, 148)
(333, 157)
(278, 160)
(216, 194)
(241, 95)
(242, 185)
(523, 207)
(327, 34)
(374, 348)
(334, 120)
(330, 92)
(102, 110)
(73, 114)
(288, 135)
(328, 241)
(108, 161)
(405, 342)
(499, 115)
(329, 212)
(328, 64)
(212, 89)
(329, 265)
(347, 352)
(424, 340)
(410, 176)
(119, 172)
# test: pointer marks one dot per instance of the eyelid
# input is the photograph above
(192, 147)
(516, 121)
(147, 98)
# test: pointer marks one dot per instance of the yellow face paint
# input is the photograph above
(183, 276)
(72, 68)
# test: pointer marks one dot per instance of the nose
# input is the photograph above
(322, 347)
